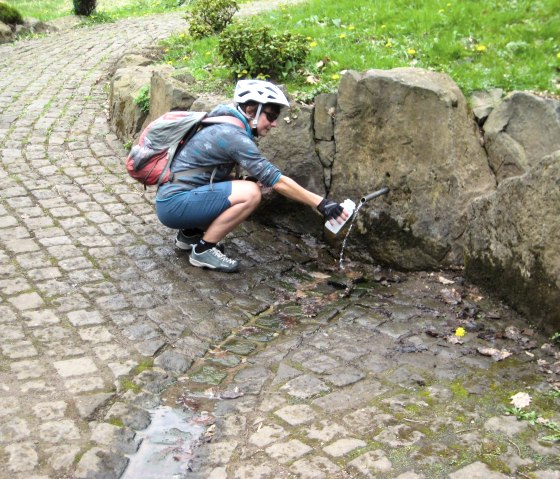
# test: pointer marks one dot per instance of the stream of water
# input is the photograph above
(352, 220)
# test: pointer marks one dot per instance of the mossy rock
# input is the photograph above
(10, 15)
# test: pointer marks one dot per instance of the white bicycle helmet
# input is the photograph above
(260, 91)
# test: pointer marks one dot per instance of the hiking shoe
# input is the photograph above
(214, 259)
(184, 242)
(187, 243)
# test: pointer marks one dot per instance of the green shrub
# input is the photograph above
(210, 17)
(84, 7)
(143, 98)
(10, 15)
(251, 51)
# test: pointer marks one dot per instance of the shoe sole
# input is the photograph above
(189, 247)
(183, 246)
(200, 264)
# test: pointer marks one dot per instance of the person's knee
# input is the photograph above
(248, 192)
(255, 193)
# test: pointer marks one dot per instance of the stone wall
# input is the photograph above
(471, 184)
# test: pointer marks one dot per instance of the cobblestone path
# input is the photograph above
(305, 371)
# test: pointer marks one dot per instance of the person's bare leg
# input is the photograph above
(245, 197)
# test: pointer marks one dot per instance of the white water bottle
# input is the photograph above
(349, 206)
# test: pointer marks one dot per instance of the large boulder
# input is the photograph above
(410, 130)
(207, 102)
(513, 242)
(291, 147)
(168, 93)
(483, 102)
(520, 131)
(126, 116)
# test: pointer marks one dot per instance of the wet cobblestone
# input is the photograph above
(307, 371)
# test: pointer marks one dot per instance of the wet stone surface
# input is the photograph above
(386, 387)
(291, 368)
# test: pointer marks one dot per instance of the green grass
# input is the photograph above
(106, 9)
(509, 44)
(114, 9)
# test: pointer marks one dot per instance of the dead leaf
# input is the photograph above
(451, 296)
(312, 80)
(319, 275)
(204, 420)
(444, 280)
(232, 394)
(453, 339)
(512, 333)
(496, 354)
(323, 63)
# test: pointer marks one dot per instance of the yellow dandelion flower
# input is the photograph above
(308, 38)
(335, 76)
(342, 35)
(313, 44)
(411, 51)
(351, 27)
(170, 62)
(460, 332)
(388, 44)
(480, 48)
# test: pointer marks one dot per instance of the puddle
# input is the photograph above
(166, 447)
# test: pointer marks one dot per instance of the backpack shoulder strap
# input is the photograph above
(223, 119)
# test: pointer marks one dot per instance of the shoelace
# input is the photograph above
(218, 254)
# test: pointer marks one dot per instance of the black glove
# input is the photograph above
(330, 209)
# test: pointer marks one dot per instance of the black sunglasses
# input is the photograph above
(271, 116)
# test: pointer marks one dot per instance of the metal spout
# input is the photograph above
(375, 194)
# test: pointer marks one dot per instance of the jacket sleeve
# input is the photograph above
(248, 156)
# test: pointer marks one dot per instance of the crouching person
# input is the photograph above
(206, 204)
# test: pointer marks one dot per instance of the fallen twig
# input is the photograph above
(518, 449)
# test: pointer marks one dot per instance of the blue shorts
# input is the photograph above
(196, 208)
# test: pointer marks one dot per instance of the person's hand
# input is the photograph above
(330, 209)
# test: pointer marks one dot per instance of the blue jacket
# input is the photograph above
(223, 145)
